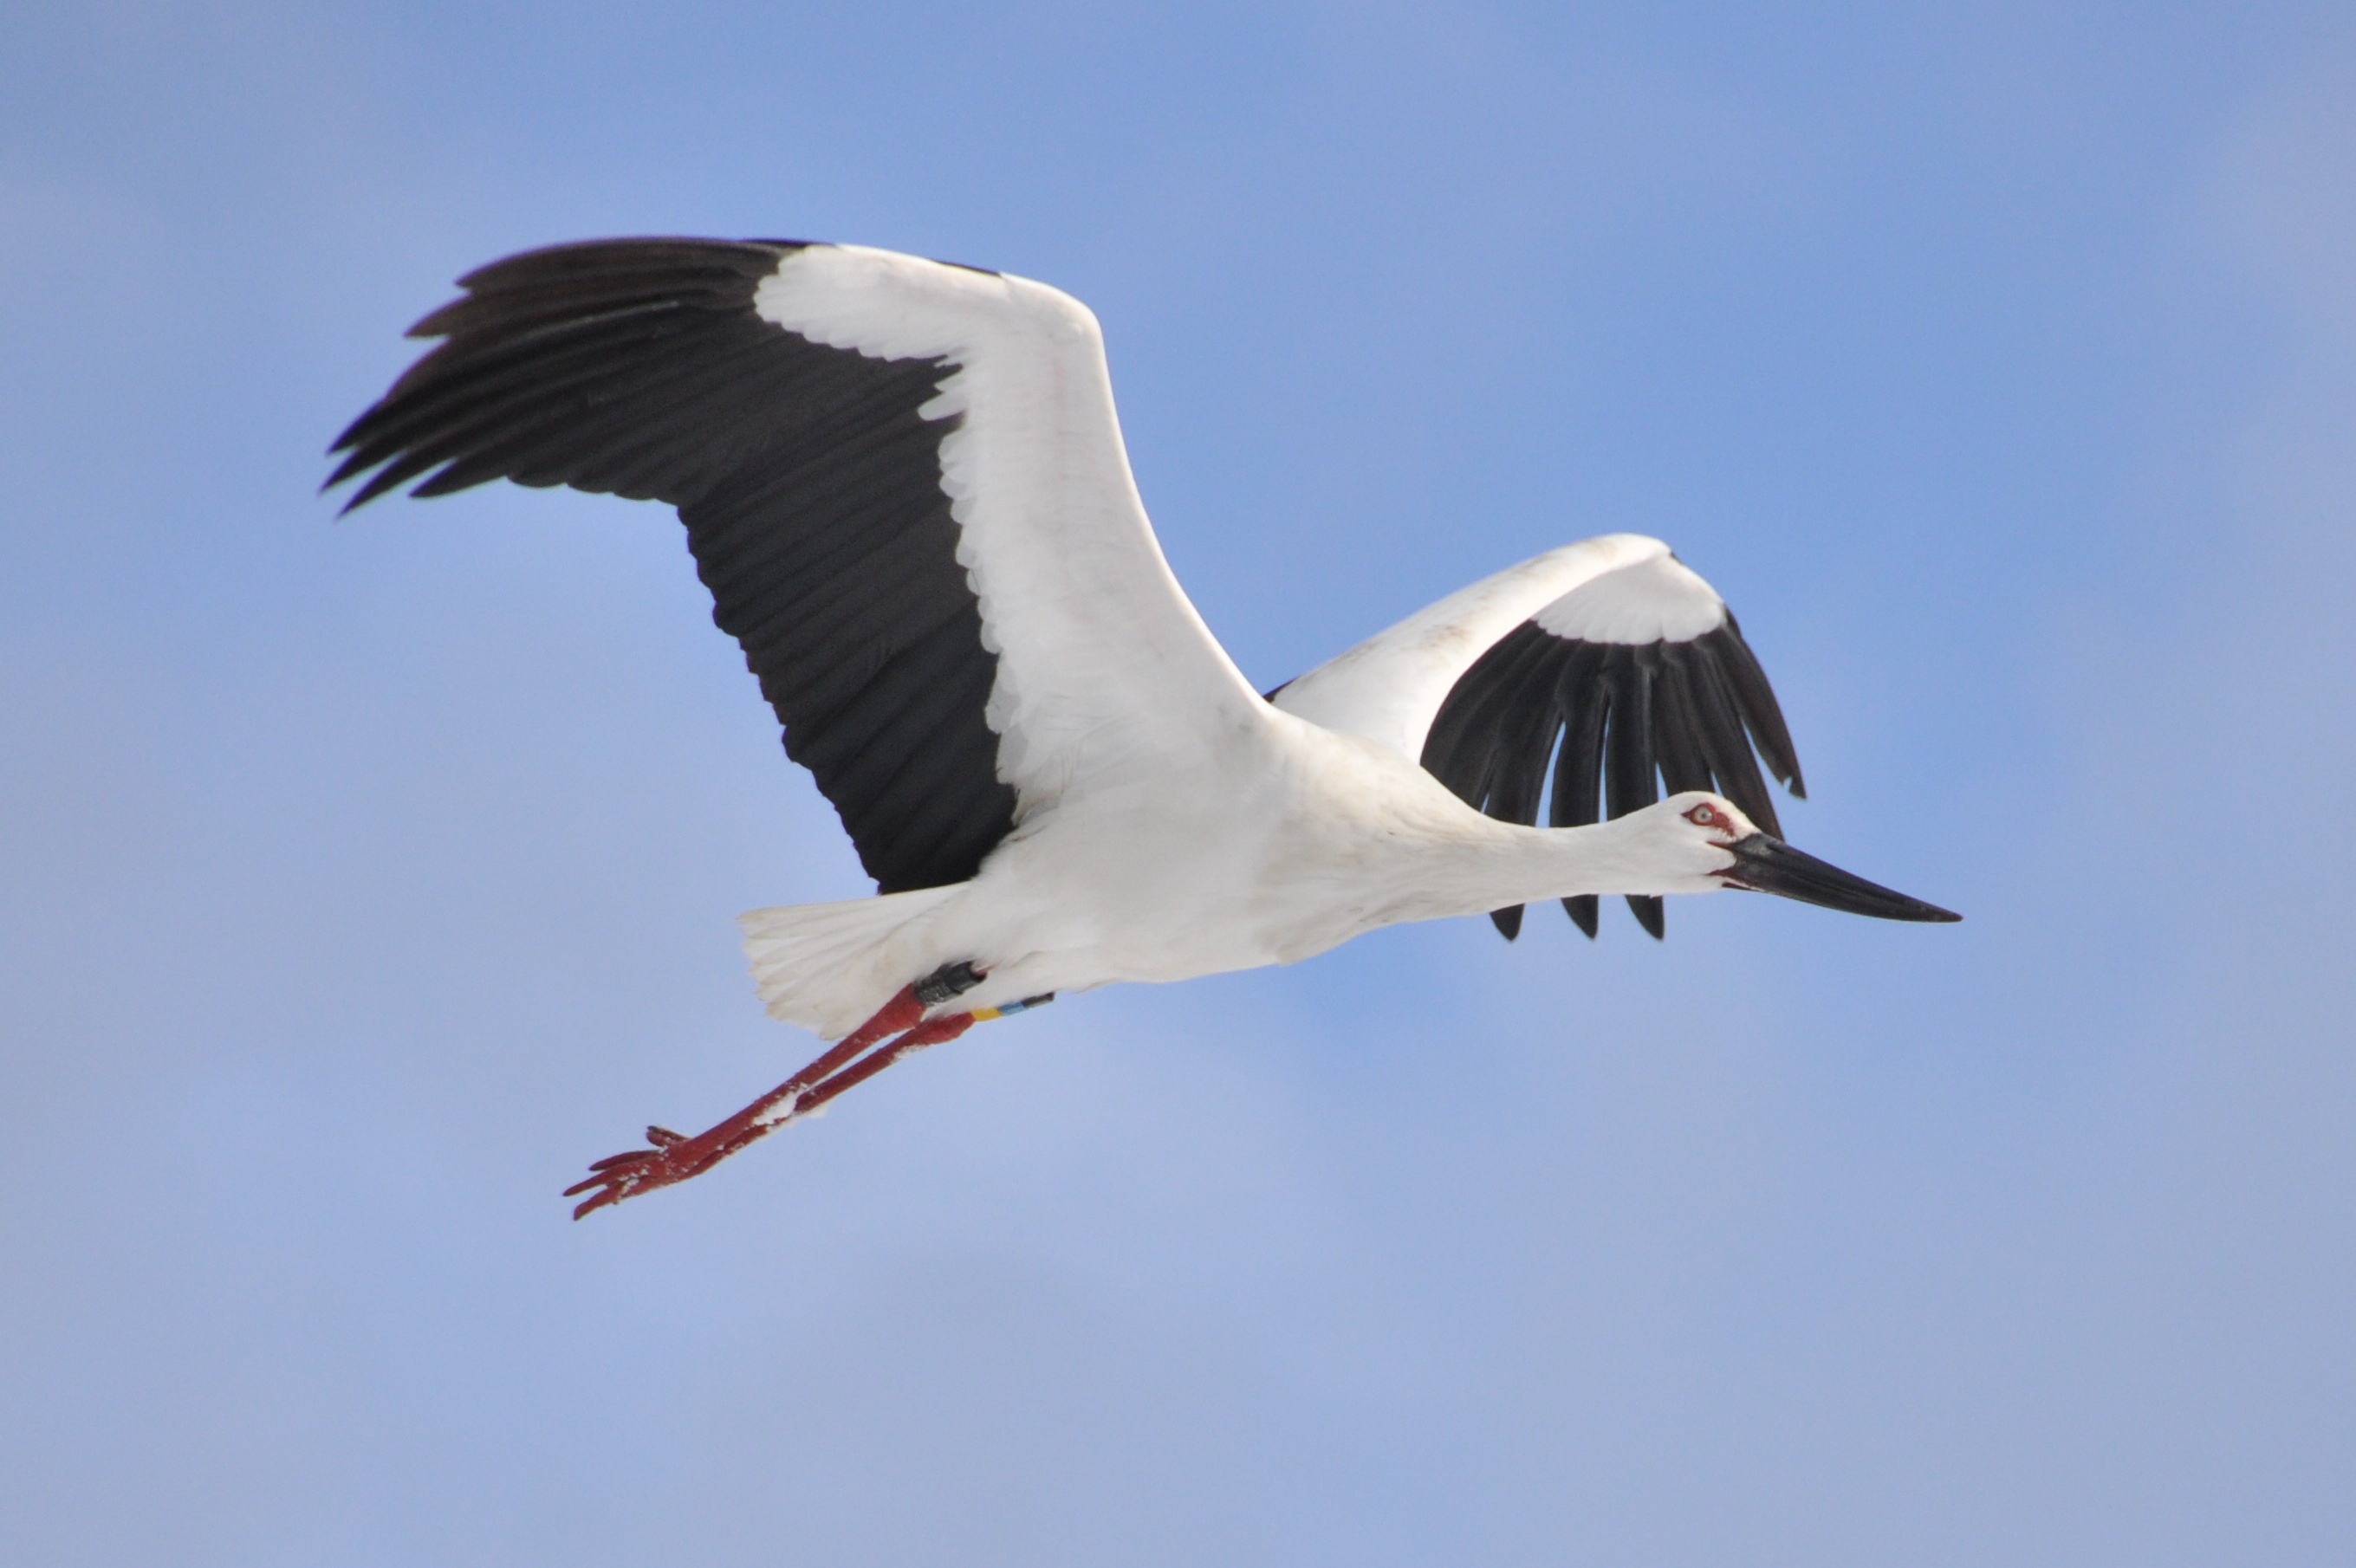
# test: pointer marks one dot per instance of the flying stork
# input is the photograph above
(904, 483)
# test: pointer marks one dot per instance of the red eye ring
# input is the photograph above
(1702, 815)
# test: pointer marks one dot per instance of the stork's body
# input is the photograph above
(1290, 842)
(905, 484)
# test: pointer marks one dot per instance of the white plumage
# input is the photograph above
(905, 484)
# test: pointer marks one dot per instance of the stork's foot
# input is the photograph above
(674, 1158)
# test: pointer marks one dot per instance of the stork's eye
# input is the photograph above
(1702, 816)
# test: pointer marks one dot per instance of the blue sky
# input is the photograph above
(361, 881)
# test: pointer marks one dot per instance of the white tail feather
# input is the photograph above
(827, 967)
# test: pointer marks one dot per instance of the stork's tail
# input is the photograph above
(828, 966)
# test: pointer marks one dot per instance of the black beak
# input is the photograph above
(1765, 864)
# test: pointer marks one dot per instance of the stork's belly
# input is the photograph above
(1073, 911)
(1080, 947)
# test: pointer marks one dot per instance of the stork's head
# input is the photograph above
(1707, 834)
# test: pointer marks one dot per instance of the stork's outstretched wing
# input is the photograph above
(904, 483)
(1608, 659)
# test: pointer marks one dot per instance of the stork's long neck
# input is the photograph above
(1494, 864)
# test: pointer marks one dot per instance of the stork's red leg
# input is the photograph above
(915, 1039)
(675, 1158)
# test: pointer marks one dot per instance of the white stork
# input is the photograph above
(905, 486)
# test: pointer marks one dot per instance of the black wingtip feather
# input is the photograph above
(1508, 921)
(1761, 712)
(1584, 912)
(1649, 914)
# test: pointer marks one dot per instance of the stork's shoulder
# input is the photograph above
(1336, 779)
